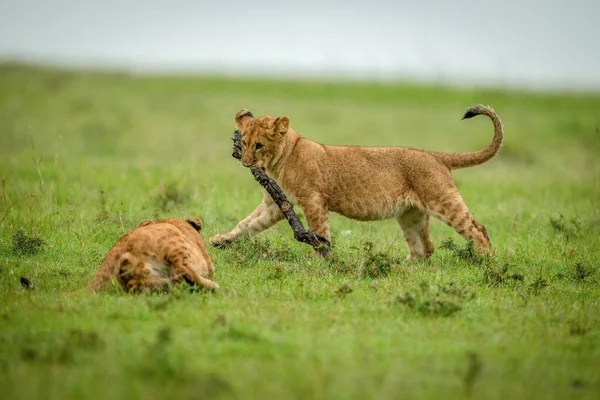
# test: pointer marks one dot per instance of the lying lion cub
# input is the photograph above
(363, 183)
(157, 254)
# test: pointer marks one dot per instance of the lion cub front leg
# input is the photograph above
(317, 214)
(265, 216)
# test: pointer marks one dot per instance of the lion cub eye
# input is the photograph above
(258, 146)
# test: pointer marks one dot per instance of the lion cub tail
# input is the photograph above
(101, 280)
(109, 269)
(463, 160)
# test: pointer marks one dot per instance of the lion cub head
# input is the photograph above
(262, 137)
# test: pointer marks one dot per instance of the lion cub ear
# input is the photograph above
(241, 117)
(282, 125)
(145, 222)
(195, 222)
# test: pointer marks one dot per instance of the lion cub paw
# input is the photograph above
(220, 240)
(215, 289)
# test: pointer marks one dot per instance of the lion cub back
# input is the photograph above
(157, 254)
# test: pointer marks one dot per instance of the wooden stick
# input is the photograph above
(318, 242)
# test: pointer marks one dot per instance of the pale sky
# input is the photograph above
(531, 43)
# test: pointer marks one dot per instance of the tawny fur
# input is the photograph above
(362, 183)
(157, 254)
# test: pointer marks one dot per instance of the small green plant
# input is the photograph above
(567, 228)
(159, 364)
(499, 276)
(435, 301)
(171, 195)
(26, 245)
(579, 272)
(343, 291)
(364, 262)
(278, 272)
(467, 252)
(473, 371)
(3, 192)
(578, 328)
(377, 264)
(103, 213)
(538, 285)
(61, 348)
(161, 303)
(240, 335)
(431, 306)
(163, 364)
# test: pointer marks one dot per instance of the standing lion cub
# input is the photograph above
(362, 183)
(157, 254)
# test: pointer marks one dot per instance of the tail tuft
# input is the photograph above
(471, 112)
(463, 160)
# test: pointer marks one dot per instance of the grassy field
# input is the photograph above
(85, 156)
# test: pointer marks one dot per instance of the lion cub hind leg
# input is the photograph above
(452, 210)
(183, 267)
(414, 223)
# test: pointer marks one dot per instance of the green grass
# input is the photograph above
(85, 156)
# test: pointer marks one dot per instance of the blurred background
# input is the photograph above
(85, 155)
(528, 44)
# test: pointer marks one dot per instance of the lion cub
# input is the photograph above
(362, 183)
(157, 254)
